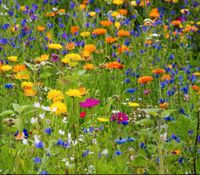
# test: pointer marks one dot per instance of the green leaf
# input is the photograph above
(167, 112)
(140, 161)
(19, 109)
(45, 75)
(152, 111)
(145, 122)
(81, 72)
(8, 112)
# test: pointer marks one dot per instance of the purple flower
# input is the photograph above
(54, 57)
(89, 103)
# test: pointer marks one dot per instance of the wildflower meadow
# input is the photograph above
(99, 87)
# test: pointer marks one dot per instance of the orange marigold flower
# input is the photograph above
(89, 48)
(19, 68)
(165, 77)
(123, 11)
(41, 28)
(154, 13)
(110, 39)
(122, 49)
(164, 105)
(176, 152)
(88, 66)
(74, 29)
(70, 46)
(123, 33)
(30, 92)
(176, 22)
(106, 23)
(158, 71)
(99, 31)
(83, 91)
(50, 14)
(145, 79)
(114, 65)
(148, 42)
(195, 88)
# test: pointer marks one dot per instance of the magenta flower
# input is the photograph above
(89, 103)
(120, 117)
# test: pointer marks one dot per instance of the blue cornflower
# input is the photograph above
(180, 160)
(66, 145)
(127, 80)
(168, 118)
(171, 57)
(39, 144)
(129, 139)
(118, 153)
(142, 145)
(37, 160)
(85, 153)
(44, 173)
(120, 140)
(198, 139)
(190, 132)
(48, 131)
(60, 142)
(175, 138)
(8, 86)
(131, 90)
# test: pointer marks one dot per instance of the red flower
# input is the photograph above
(82, 114)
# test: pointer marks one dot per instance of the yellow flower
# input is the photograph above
(5, 68)
(73, 64)
(102, 119)
(27, 85)
(117, 25)
(55, 95)
(73, 56)
(132, 104)
(133, 3)
(42, 58)
(115, 14)
(73, 93)
(22, 8)
(12, 58)
(117, 2)
(59, 108)
(55, 46)
(84, 34)
(22, 76)
(92, 14)
(196, 74)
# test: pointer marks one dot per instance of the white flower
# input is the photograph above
(25, 141)
(61, 132)
(37, 105)
(115, 111)
(34, 120)
(36, 139)
(65, 120)
(46, 108)
(155, 35)
(54, 9)
(71, 158)
(42, 116)
(104, 152)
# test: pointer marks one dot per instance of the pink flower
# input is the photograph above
(89, 103)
